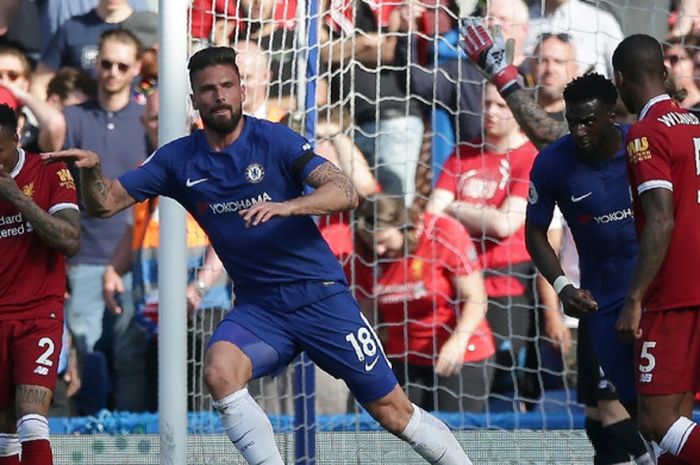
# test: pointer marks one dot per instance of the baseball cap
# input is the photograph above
(8, 98)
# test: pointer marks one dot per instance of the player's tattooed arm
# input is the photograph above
(102, 197)
(335, 189)
(60, 231)
(334, 192)
(540, 128)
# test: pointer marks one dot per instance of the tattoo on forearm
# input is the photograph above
(329, 173)
(60, 231)
(93, 184)
(540, 128)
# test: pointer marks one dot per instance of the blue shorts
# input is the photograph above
(605, 363)
(332, 331)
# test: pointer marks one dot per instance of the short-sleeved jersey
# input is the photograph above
(594, 198)
(487, 178)
(663, 152)
(416, 297)
(33, 275)
(268, 162)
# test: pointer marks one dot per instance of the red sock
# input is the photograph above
(37, 452)
(691, 449)
(668, 459)
(11, 460)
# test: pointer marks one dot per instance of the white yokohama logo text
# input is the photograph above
(614, 216)
(236, 205)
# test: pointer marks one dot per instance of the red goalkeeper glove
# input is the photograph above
(489, 54)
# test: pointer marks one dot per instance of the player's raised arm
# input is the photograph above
(488, 51)
(102, 197)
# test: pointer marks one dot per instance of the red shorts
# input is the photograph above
(667, 356)
(29, 354)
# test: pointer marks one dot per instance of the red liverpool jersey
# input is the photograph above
(416, 298)
(663, 151)
(488, 178)
(32, 275)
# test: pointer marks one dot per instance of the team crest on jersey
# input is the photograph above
(254, 173)
(638, 150)
(28, 190)
(66, 178)
(532, 195)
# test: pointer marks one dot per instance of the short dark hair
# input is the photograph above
(9, 50)
(8, 118)
(123, 36)
(212, 56)
(69, 80)
(639, 55)
(589, 87)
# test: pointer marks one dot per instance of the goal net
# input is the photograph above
(392, 99)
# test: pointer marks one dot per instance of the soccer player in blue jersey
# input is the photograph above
(242, 179)
(584, 173)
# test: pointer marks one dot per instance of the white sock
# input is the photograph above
(33, 427)
(433, 440)
(9, 445)
(248, 428)
(677, 434)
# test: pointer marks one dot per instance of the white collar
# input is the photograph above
(652, 102)
(20, 163)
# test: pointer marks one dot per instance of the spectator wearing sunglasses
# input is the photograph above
(594, 31)
(109, 124)
(75, 42)
(678, 58)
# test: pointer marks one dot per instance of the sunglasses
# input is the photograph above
(563, 36)
(674, 59)
(10, 74)
(108, 65)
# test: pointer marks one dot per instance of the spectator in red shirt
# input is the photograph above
(484, 185)
(424, 275)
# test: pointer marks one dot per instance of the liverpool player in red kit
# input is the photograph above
(39, 224)
(662, 310)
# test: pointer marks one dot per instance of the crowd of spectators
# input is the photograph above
(440, 157)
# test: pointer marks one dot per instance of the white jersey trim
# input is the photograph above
(63, 206)
(20, 163)
(654, 184)
(651, 103)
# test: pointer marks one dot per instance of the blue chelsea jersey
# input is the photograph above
(268, 162)
(595, 200)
